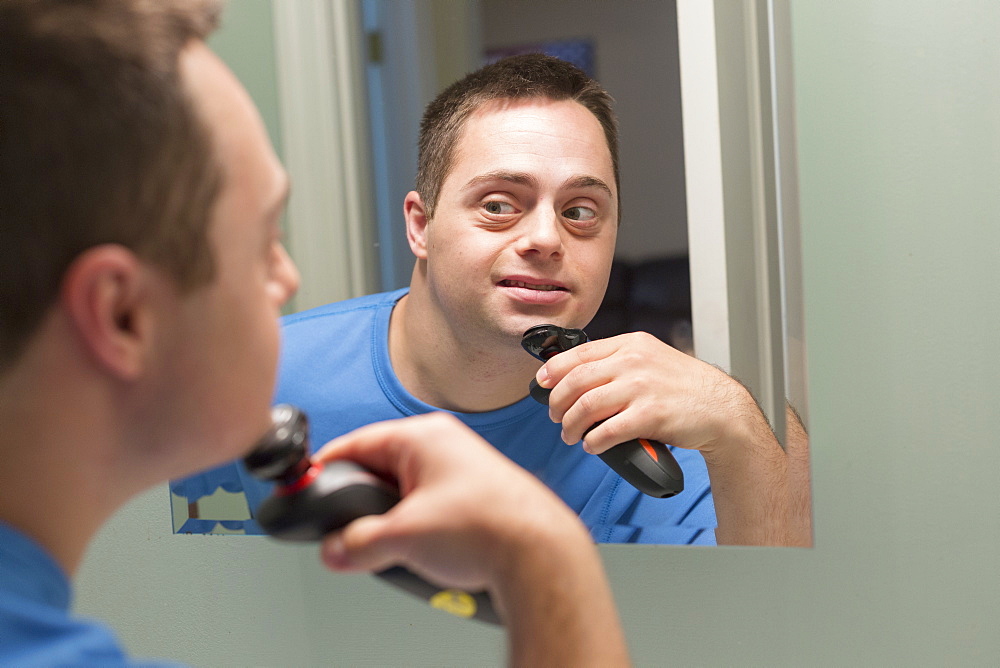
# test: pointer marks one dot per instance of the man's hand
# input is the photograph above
(643, 388)
(463, 503)
(471, 518)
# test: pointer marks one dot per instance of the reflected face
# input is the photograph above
(225, 339)
(526, 221)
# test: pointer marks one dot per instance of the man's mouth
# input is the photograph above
(531, 286)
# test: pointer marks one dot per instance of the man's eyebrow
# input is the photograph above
(520, 178)
(588, 182)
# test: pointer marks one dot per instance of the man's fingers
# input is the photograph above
(389, 438)
(596, 404)
(556, 368)
(376, 446)
(611, 432)
(360, 546)
(586, 388)
(386, 447)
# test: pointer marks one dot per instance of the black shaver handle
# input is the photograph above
(338, 494)
(647, 465)
(477, 605)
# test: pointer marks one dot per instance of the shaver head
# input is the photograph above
(544, 341)
(282, 454)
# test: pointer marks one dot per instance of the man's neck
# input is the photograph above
(439, 366)
(55, 484)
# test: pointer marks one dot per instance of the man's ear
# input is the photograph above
(104, 294)
(416, 224)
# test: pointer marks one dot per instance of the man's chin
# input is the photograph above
(511, 324)
(517, 327)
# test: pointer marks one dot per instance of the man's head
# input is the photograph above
(516, 78)
(99, 143)
(140, 201)
(515, 216)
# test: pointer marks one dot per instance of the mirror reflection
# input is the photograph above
(531, 208)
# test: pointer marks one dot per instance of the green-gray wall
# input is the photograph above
(899, 157)
(245, 40)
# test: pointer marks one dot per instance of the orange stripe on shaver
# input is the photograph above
(648, 447)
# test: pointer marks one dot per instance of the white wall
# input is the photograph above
(636, 61)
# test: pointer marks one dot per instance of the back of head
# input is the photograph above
(515, 78)
(99, 143)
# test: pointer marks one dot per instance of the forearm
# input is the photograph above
(800, 491)
(749, 474)
(558, 607)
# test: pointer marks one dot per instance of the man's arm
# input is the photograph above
(470, 518)
(749, 476)
(800, 490)
(643, 388)
(782, 512)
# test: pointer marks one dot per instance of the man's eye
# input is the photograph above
(498, 208)
(580, 213)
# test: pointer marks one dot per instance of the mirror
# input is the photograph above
(434, 42)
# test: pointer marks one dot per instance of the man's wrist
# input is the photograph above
(740, 424)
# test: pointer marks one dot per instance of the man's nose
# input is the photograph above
(541, 232)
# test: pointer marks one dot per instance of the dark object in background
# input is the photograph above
(650, 296)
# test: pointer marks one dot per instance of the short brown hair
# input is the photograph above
(526, 76)
(100, 142)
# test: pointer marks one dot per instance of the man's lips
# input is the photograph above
(534, 291)
(531, 285)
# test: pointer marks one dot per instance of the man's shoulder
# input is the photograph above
(36, 627)
(30, 641)
(347, 310)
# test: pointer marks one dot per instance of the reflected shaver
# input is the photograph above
(312, 500)
(647, 465)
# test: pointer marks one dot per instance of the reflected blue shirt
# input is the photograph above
(335, 366)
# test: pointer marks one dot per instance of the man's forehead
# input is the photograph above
(504, 127)
(491, 109)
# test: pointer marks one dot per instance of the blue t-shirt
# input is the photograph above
(335, 366)
(36, 628)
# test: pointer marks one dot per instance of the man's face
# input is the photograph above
(224, 340)
(525, 225)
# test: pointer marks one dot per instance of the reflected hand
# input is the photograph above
(643, 388)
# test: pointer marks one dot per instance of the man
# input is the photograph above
(142, 276)
(513, 224)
